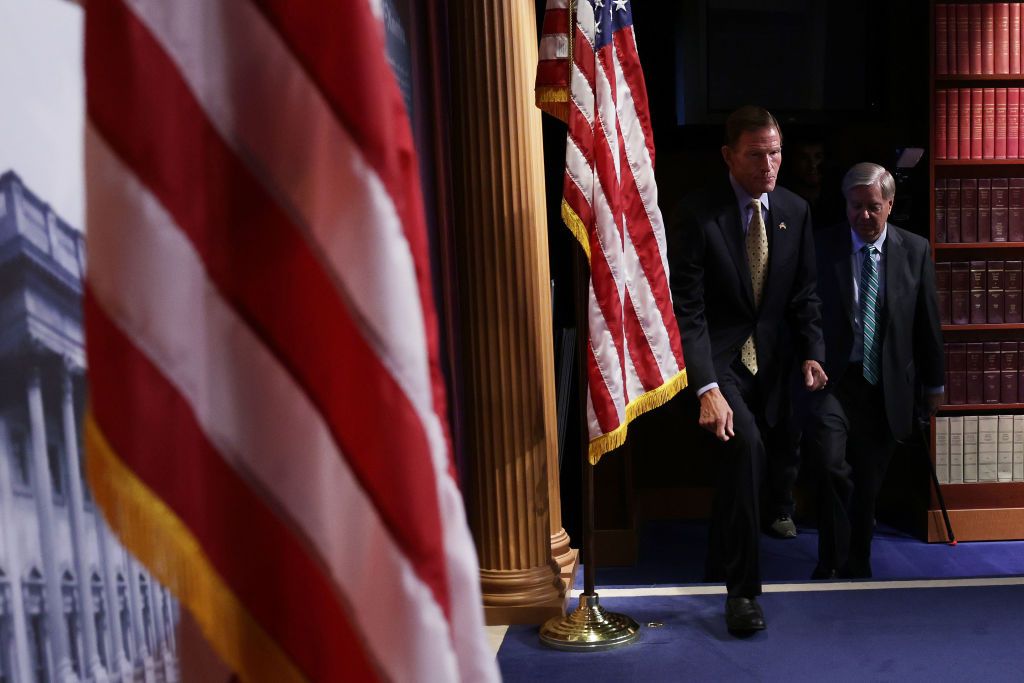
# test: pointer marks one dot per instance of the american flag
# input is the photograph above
(267, 423)
(610, 203)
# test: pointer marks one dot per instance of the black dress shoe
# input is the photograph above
(743, 616)
(821, 572)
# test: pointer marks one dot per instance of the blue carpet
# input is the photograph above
(672, 553)
(925, 634)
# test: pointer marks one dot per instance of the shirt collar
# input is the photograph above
(744, 198)
(858, 243)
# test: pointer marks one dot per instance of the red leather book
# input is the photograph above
(984, 209)
(1014, 39)
(1000, 127)
(988, 38)
(1015, 222)
(1002, 38)
(947, 120)
(940, 210)
(952, 210)
(994, 312)
(964, 105)
(974, 373)
(957, 389)
(1012, 281)
(968, 38)
(988, 130)
(1008, 372)
(960, 291)
(1012, 122)
(979, 305)
(968, 209)
(991, 379)
(942, 40)
(942, 284)
(977, 121)
(1000, 209)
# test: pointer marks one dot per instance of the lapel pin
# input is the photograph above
(782, 225)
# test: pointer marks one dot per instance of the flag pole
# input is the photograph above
(588, 628)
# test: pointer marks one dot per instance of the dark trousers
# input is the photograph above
(851, 445)
(734, 540)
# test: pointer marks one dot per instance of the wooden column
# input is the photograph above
(500, 230)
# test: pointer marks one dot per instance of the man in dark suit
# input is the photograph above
(742, 265)
(883, 350)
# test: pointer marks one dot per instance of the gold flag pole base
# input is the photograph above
(589, 628)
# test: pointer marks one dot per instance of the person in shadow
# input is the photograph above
(883, 352)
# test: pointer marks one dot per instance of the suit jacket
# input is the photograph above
(714, 298)
(912, 349)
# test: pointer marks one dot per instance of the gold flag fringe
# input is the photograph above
(637, 407)
(554, 100)
(158, 538)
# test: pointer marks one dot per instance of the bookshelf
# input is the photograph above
(977, 227)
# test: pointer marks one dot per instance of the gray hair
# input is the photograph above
(866, 173)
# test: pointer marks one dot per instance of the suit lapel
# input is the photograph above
(730, 222)
(895, 268)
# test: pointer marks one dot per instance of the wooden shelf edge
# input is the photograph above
(995, 524)
(982, 327)
(955, 246)
(980, 407)
(978, 162)
(961, 78)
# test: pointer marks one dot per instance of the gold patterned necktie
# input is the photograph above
(757, 258)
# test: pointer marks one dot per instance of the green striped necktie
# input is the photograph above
(869, 305)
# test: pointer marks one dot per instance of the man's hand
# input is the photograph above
(933, 401)
(715, 414)
(814, 376)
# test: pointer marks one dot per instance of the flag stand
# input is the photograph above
(588, 628)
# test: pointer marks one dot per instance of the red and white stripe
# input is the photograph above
(258, 297)
(635, 358)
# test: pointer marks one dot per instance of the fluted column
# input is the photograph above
(118, 660)
(42, 484)
(93, 668)
(12, 553)
(505, 306)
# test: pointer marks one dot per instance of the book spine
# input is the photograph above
(1000, 127)
(1012, 123)
(988, 131)
(1018, 447)
(1014, 38)
(960, 309)
(977, 121)
(942, 39)
(941, 123)
(1009, 360)
(964, 38)
(1015, 219)
(956, 449)
(974, 374)
(988, 39)
(978, 291)
(942, 291)
(1000, 209)
(1004, 448)
(952, 210)
(957, 377)
(994, 295)
(988, 427)
(963, 127)
(968, 209)
(970, 448)
(1002, 38)
(942, 449)
(991, 376)
(1012, 292)
(984, 209)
